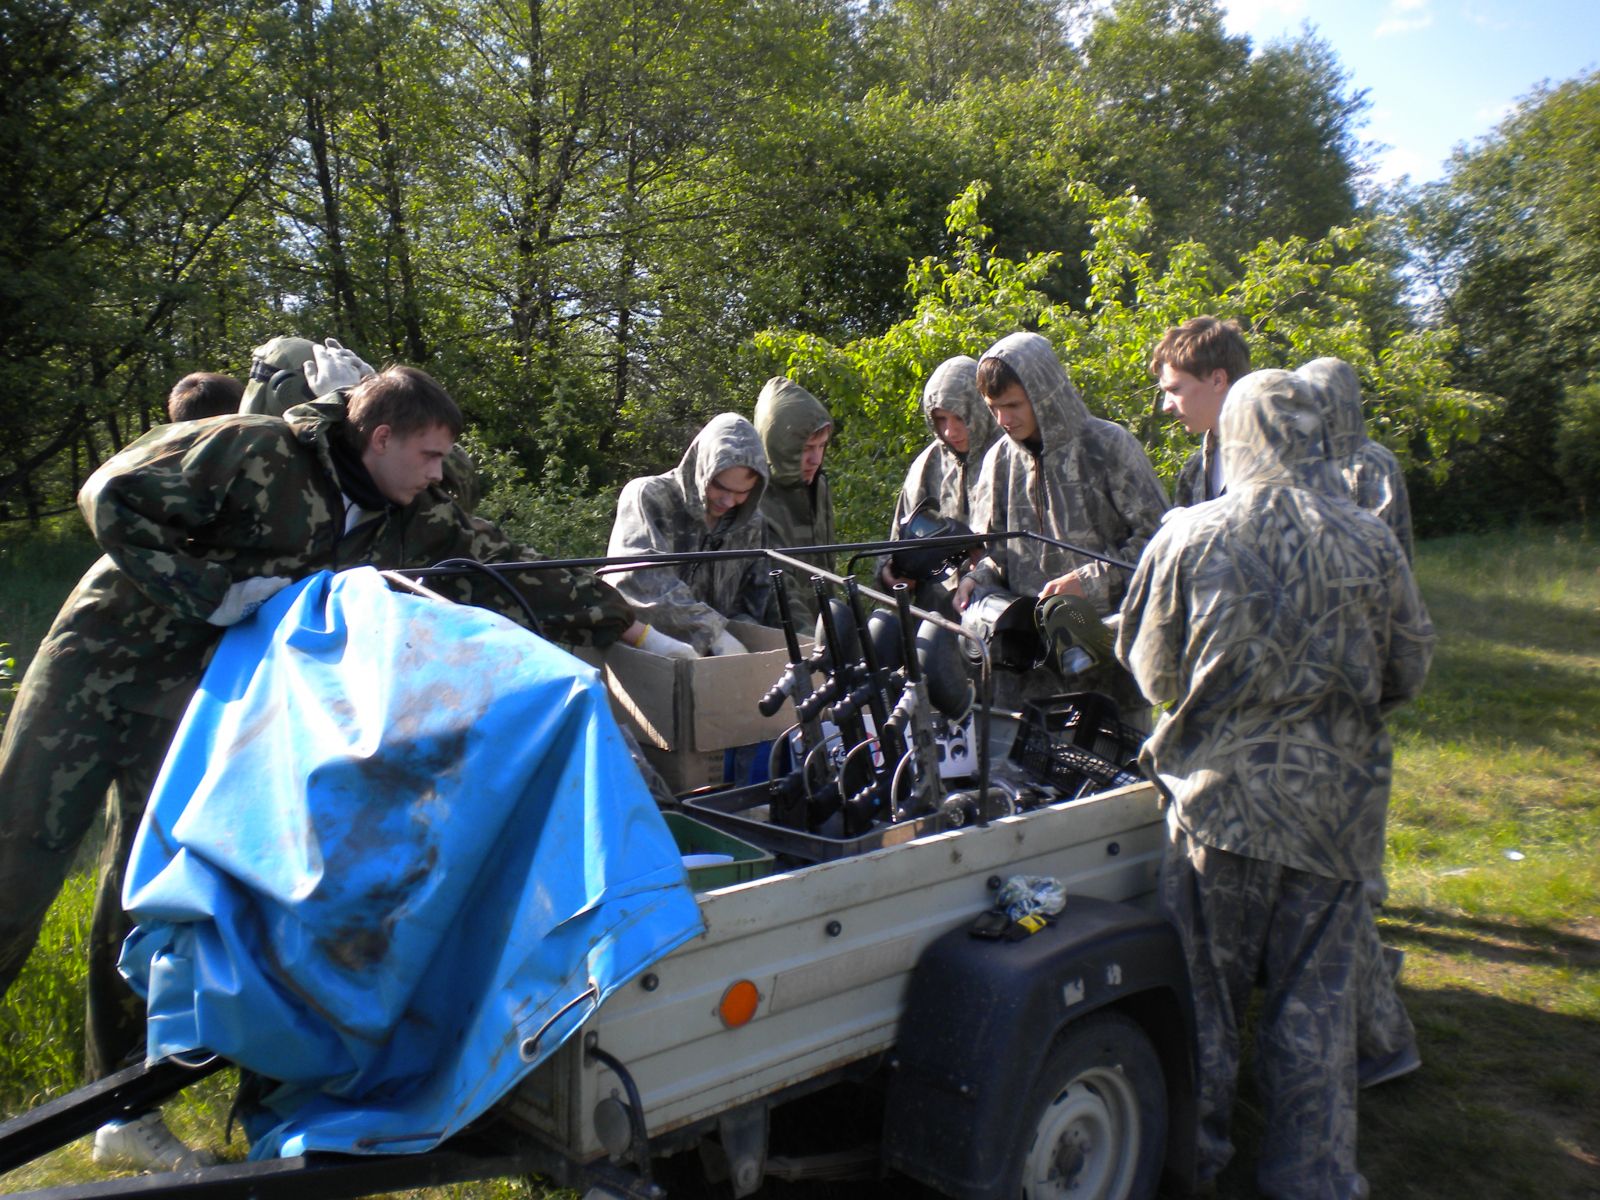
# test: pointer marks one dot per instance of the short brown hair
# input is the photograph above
(406, 399)
(203, 394)
(995, 377)
(1203, 345)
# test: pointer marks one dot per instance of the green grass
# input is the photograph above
(1494, 869)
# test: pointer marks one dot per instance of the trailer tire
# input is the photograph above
(1096, 1119)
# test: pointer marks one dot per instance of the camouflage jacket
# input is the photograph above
(1090, 484)
(1193, 485)
(1280, 623)
(1372, 474)
(665, 514)
(190, 509)
(796, 513)
(939, 474)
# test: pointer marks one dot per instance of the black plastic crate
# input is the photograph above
(1076, 744)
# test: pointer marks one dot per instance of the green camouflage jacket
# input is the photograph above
(190, 509)
(1371, 473)
(665, 514)
(939, 474)
(797, 513)
(1090, 484)
(1280, 623)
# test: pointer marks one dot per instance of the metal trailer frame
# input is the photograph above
(488, 1149)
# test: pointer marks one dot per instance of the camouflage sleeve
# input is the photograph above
(1152, 633)
(661, 596)
(1410, 641)
(572, 606)
(989, 515)
(144, 503)
(1140, 502)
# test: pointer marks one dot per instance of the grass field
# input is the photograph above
(1494, 840)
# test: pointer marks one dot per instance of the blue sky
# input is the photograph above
(1437, 72)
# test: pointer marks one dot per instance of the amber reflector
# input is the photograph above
(738, 1004)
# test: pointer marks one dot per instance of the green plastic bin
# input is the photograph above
(749, 862)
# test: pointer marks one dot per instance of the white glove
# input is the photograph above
(656, 642)
(726, 643)
(244, 597)
(332, 367)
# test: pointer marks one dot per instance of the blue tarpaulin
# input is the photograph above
(393, 840)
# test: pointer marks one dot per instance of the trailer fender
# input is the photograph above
(981, 1016)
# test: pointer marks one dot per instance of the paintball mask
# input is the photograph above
(277, 377)
(1075, 639)
(1005, 624)
(928, 562)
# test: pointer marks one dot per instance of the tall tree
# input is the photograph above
(1509, 244)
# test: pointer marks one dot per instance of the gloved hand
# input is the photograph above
(245, 596)
(656, 642)
(332, 367)
(726, 643)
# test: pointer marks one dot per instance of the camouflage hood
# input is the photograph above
(316, 423)
(1372, 474)
(786, 417)
(1338, 388)
(1057, 407)
(665, 514)
(277, 377)
(727, 440)
(953, 386)
(1273, 434)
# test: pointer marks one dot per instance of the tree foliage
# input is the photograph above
(1299, 300)
(1508, 247)
(577, 215)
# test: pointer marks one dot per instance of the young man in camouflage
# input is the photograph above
(710, 501)
(287, 371)
(201, 523)
(1065, 474)
(1195, 364)
(946, 472)
(798, 507)
(1371, 472)
(1279, 623)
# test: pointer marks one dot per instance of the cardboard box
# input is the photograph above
(686, 770)
(699, 705)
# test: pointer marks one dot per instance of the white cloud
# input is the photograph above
(1395, 161)
(1404, 16)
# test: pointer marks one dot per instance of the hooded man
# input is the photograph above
(1195, 364)
(1065, 474)
(798, 508)
(287, 371)
(711, 501)
(1280, 624)
(201, 523)
(946, 472)
(945, 475)
(1371, 473)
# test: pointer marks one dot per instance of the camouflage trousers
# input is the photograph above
(65, 745)
(1242, 920)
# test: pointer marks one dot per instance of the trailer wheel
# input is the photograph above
(1096, 1123)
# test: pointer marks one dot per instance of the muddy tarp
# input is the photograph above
(393, 839)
